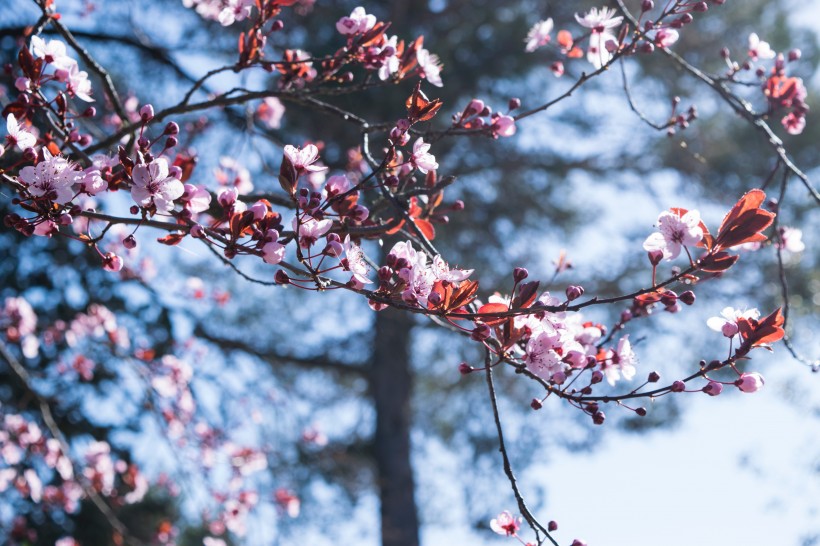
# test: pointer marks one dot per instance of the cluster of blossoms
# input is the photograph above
(38, 469)
(390, 57)
(227, 12)
(479, 116)
(782, 92)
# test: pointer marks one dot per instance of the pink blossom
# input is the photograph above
(91, 181)
(665, 37)
(112, 262)
(443, 272)
(359, 22)
(51, 178)
(153, 185)
(273, 252)
(421, 159)
(794, 123)
(355, 262)
(538, 35)
(750, 382)
(391, 63)
(542, 354)
(599, 52)
(621, 361)
(78, 84)
(675, 231)
(503, 126)
(310, 229)
(726, 323)
(303, 159)
(196, 198)
(52, 52)
(791, 240)
(430, 67)
(237, 10)
(270, 112)
(505, 524)
(288, 501)
(18, 136)
(599, 20)
(758, 49)
(337, 184)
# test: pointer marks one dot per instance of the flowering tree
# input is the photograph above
(90, 165)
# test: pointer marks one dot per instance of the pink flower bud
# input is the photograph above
(598, 418)
(147, 113)
(641, 412)
(678, 386)
(729, 329)
(129, 242)
(480, 332)
(655, 256)
(465, 368)
(227, 197)
(750, 382)
(519, 274)
(795, 54)
(281, 277)
(687, 297)
(654, 377)
(197, 232)
(597, 377)
(574, 292)
(112, 262)
(259, 210)
(552, 526)
(713, 388)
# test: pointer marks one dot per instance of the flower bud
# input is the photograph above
(598, 418)
(480, 332)
(597, 377)
(536, 404)
(655, 257)
(277, 25)
(129, 242)
(197, 232)
(143, 143)
(465, 368)
(687, 297)
(434, 298)
(171, 142)
(701, 7)
(134, 209)
(519, 274)
(678, 386)
(641, 412)
(647, 5)
(65, 219)
(795, 54)
(654, 377)
(171, 129)
(112, 262)
(514, 104)
(574, 292)
(713, 388)
(626, 316)
(280, 277)
(750, 382)
(147, 113)
(669, 298)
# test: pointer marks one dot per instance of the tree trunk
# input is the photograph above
(390, 385)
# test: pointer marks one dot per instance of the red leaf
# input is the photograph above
(745, 221)
(172, 239)
(419, 107)
(426, 228)
(717, 262)
(490, 308)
